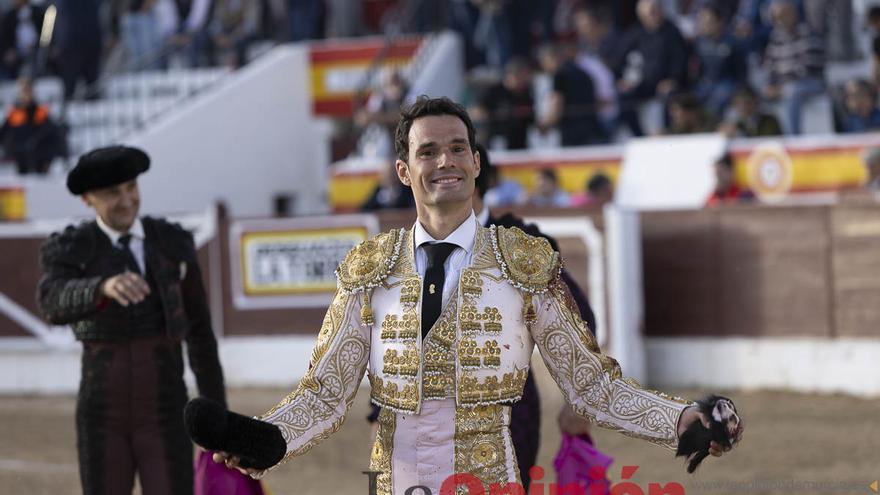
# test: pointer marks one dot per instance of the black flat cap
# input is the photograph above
(105, 167)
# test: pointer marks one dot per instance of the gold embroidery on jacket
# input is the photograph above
(383, 447)
(390, 394)
(593, 382)
(491, 390)
(470, 355)
(405, 364)
(480, 444)
(338, 365)
(397, 328)
(439, 374)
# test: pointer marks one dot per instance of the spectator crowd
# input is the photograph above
(742, 67)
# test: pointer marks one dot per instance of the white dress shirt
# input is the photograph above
(463, 237)
(136, 244)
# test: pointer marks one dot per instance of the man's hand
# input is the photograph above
(688, 416)
(125, 288)
(571, 423)
(231, 462)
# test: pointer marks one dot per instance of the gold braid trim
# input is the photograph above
(383, 447)
(370, 262)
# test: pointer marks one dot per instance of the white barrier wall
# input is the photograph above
(251, 137)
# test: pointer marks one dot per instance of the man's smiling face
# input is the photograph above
(441, 165)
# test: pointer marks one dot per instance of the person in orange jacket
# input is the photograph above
(29, 135)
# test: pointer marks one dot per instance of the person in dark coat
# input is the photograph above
(78, 44)
(649, 62)
(525, 414)
(131, 289)
(19, 37)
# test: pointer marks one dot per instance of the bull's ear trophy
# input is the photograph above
(725, 428)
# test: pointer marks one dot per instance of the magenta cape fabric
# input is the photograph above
(212, 478)
(579, 462)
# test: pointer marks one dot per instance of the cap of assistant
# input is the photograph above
(105, 167)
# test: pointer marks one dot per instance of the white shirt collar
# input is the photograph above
(463, 236)
(136, 230)
(483, 216)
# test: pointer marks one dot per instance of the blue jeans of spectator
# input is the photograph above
(140, 35)
(304, 18)
(794, 96)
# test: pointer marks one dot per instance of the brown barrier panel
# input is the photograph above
(680, 272)
(19, 274)
(856, 266)
(774, 272)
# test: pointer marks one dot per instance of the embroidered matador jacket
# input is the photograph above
(445, 398)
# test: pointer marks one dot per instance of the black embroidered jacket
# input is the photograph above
(76, 261)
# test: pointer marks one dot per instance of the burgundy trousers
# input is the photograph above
(129, 418)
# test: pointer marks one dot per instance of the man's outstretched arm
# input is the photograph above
(318, 405)
(592, 382)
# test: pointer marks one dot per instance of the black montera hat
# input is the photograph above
(105, 167)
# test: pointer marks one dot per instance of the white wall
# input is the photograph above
(247, 139)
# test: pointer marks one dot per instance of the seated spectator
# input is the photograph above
(234, 27)
(572, 106)
(599, 190)
(720, 63)
(547, 192)
(795, 63)
(726, 191)
(595, 47)
(389, 193)
(29, 135)
(752, 23)
(687, 116)
(19, 35)
(873, 20)
(872, 167)
(508, 108)
(651, 62)
(862, 114)
(747, 119)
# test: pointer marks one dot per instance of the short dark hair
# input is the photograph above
(549, 174)
(598, 182)
(487, 171)
(424, 107)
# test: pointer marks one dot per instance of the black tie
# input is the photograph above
(130, 262)
(432, 289)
